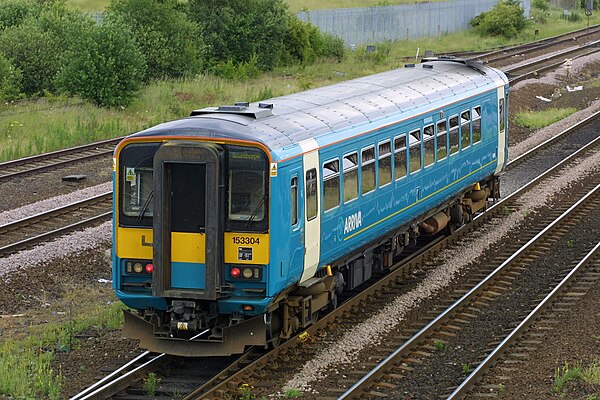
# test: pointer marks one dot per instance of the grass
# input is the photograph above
(26, 360)
(34, 126)
(589, 374)
(540, 119)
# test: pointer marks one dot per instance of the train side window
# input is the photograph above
(331, 184)
(414, 158)
(368, 170)
(442, 145)
(501, 112)
(476, 124)
(312, 206)
(294, 202)
(350, 165)
(385, 163)
(400, 156)
(465, 128)
(429, 145)
(454, 134)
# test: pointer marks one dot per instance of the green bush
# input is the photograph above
(169, 40)
(506, 19)
(543, 5)
(574, 16)
(35, 45)
(237, 30)
(35, 52)
(304, 42)
(238, 72)
(105, 65)
(14, 12)
(10, 80)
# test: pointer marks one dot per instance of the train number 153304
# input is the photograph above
(245, 240)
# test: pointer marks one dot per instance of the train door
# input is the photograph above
(188, 227)
(502, 128)
(296, 224)
(312, 215)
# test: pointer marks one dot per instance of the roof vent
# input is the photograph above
(409, 65)
(263, 110)
(235, 108)
(428, 66)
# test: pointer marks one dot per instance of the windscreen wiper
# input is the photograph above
(256, 210)
(140, 216)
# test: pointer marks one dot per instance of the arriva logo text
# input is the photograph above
(352, 222)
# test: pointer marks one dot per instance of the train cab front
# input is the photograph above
(192, 245)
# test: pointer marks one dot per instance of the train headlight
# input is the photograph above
(248, 273)
(138, 267)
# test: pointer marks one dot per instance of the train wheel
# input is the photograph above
(273, 324)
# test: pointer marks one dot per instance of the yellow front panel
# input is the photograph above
(134, 243)
(188, 247)
(239, 245)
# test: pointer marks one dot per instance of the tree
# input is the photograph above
(169, 40)
(105, 66)
(506, 18)
(10, 80)
(35, 52)
(239, 30)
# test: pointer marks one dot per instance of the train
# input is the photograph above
(238, 225)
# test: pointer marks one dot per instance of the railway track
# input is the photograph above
(42, 227)
(525, 50)
(533, 68)
(205, 391)
(475, 305)
(178, 376)
(263, 373)
(583, 133)
(55, 159)
(569, 290)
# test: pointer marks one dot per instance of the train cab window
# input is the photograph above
(350, 165)
(368, 170)
(454, 134)
(331, 184)
(312, 206)
(136, 184)
(442, 145)
(385, 163)
(429, 145)
(465, 128)
(414, 138)
(400, 156)
(294, 202)
(247, 186)
(476, 124)
(501, 113)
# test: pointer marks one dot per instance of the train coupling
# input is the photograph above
(235, 338)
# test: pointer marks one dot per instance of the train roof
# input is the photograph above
(283, 122)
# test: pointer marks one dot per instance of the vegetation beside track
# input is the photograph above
(26, 369)
(36, 125)
(540, 119)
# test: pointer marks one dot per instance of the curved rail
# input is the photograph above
(466, 299)
(366, 296)
(462, 389)
(88, 206)
(21, 166)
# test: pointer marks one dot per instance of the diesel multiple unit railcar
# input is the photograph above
(237, 225)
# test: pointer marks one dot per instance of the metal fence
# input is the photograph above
(358, 26)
